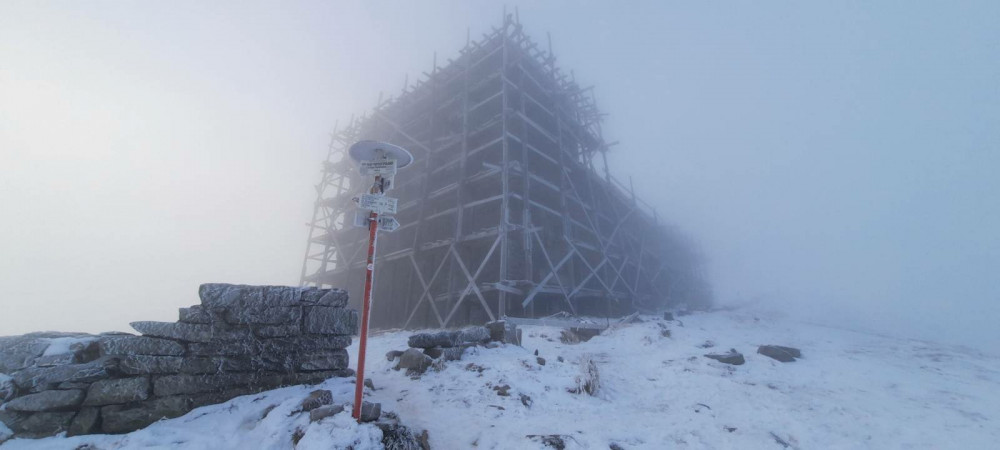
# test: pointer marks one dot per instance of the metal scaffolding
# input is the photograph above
(509, 208)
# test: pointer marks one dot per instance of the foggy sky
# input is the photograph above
(838, 160)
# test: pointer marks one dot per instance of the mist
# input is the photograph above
(833, 162)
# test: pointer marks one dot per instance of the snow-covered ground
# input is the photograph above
(851, 390)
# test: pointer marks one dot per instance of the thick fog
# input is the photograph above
(835, 161)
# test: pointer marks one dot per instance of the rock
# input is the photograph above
(85, 422)
(369, 384)
(46, 401)
(36, 425)
(324, 297)
(707, 344)
(414, 361)
(453, 353)
(472, 335)
(497, 329)
(615, 446)
(431, 340)
(323, 360)
(18, 352)
(560, 359)
(399, 437)
(780, 353)
(325, 411)
(668, 316)
(139, 345)
(35, 379)
(7, 388)
(175, 330)
(393, 354)
(265, 316)
(121, 390)
(370, 412)
(332, 321)
(434, 352)
(540, 360)
(526, 400)
(194, 314)
(123, 419)
(552, 440)
(142, 365)
(273, 331)
(733, 357)
(317, 398)
(502, 390)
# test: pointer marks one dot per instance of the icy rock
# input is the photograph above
(733, 357)
(453, 353)
(413, 360)
(434, 352)
(472, 335)
(174, 330)
(35, 379)
(327, 320)
(393, 354)
(370, 412)
(18, 352)
(369, 384)
(540, 360)
(431, 340)
(325, 411)
(323, 360)
(324, 297)
(122, 390)
(194, 314)
(399, 437)
(552, 440)
(122, 419)
(139, 345)
(780, 353)
(317, 398)
(84, 422)
(39, 424)
(46, 401)
(265, 316)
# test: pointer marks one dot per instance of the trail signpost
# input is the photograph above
(380, 160)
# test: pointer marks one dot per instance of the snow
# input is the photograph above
(60, 346)
(851, 390)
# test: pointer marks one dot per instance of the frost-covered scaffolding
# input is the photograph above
(509, 208)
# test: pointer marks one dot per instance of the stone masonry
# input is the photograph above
(239, 340)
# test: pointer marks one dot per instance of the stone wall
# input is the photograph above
(239, 340)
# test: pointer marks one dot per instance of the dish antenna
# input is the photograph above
(363, 151)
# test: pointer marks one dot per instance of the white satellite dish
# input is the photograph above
(370, 150)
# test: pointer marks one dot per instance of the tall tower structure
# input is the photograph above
(509, 208)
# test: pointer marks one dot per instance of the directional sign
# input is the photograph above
(378, 167)
(361, 219)
(387, 223)
(379, 204)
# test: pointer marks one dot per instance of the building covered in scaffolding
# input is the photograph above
(509, 208)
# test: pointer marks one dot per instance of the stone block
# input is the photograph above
(18, 352)
(275, 331)
(323, 360)
(324, 297)
(123, 419)
(431, 340)
(149, 365)
(85, 422)
(139, 345)
(115, 391)
(277, 315)
(46, 401)
(36, 425)
(175, 330)
(330, 321)
(194, 314)
(325, 411)
(35, 379)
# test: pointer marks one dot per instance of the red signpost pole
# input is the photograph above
(359, 384)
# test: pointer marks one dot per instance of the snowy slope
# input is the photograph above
(852, 390)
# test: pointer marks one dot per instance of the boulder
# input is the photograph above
(18, 352)
(85, 422)
(393, 354)
(732, 357)
(780, 353)
(325, 411)
(175, 330)
(431, 340)
(370, 412)
(323, 360)
(36, 379)
(7, 388)
(332, 321)
(46, 401)
(194, 314)
(122, 419)
(139, 345)
(36, 425)
(317, 398)
(115, 391)
(434, 352)
(414, 361)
